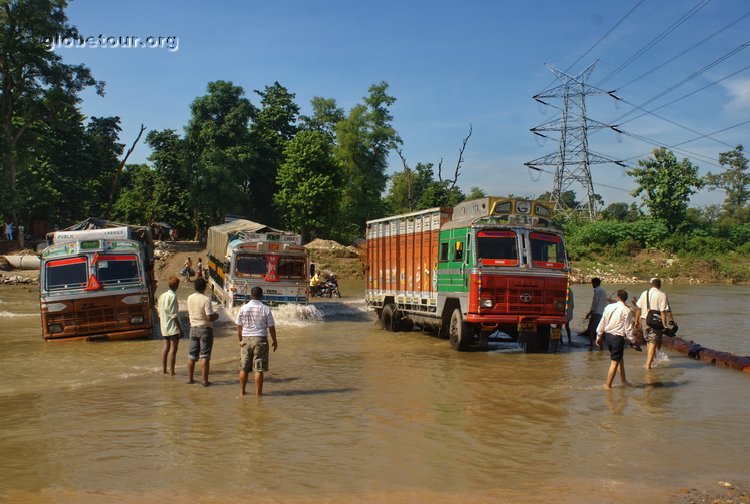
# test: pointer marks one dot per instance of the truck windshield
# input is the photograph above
(547, 251)
(497, 248)
(65, 273)
(117, 269)
(291, 267)
(251, 266)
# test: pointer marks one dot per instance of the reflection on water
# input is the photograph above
(354, 413)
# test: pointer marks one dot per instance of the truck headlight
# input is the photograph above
(55, 328)
(136, 319)
(560, 305)
(485, 303)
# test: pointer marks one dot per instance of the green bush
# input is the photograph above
(740, 235)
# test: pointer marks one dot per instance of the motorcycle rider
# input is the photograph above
(314, 283)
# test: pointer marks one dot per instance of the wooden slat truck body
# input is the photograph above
(489, 268)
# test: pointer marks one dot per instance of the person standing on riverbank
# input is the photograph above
(202, 316)
(615, 326)
(652, 298)
(598, 303)
(254, 323)
(171, 329)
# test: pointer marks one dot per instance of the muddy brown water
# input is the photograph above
(356, 414)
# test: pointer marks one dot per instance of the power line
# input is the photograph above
(688, 78)
(682, 98)
(673, 58)
(655, 40)
(694, 139)
(618, 23)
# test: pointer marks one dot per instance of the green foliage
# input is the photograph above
(735, 180)
(34, 80)
(622, 212)
(475, 193)
(364, 139)
(308, 181)
(740, 235)
(273, 126)
(644, 233)
(218, 152)
(666, 186)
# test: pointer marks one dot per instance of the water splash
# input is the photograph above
(299, 315)
(7, 314)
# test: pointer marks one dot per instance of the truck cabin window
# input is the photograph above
(458, 251)
(497, 248)
(251, 266)
(65, 273)
(291, 267)
(547, 251)
(117, 269)
(444, 251)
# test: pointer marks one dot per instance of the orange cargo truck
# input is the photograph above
(490, 268)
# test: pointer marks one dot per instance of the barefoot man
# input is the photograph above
(254, 322)
(202, 316)
(171, 329)
(615, 326)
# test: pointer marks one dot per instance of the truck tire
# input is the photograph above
(537, 342)
(459, 334)
(388, 318)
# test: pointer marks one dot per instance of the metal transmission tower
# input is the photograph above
(573, 159)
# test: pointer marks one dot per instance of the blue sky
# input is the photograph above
(449, 65)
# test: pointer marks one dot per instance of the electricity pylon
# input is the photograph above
(572, 159)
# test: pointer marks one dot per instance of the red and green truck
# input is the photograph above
(490, 268)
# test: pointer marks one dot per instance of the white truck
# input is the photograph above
(243, 254)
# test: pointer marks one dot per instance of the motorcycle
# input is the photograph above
(329, 288)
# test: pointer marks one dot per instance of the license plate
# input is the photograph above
(526, 328)
(555, 333)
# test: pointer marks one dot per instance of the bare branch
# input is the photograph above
(116, 176)
(457, 172)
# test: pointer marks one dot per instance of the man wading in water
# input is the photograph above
(202, 316)
(616, 325)
(254, 321)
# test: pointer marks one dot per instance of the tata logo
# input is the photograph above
(525, 297)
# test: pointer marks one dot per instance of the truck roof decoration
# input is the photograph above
(494, 210)
(115, 233)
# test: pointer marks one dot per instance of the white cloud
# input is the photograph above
(740, 92)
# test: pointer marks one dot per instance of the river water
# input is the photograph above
(355, 414)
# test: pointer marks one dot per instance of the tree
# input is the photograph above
(29, 74)
(308, 181)
(218, 153)
(475, 193)
(666, 186)
(364, 139)
(735, 181)
(139, 190)
(273, 126)
(326, 115)
(622, 212)
(567, 199)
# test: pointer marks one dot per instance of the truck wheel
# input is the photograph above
(388, 318)
(458, 331)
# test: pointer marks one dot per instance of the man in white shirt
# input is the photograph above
(171, 329)
(652, 299)
(598, 302)
(616, 324)
(254, 322)
(201, 331)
